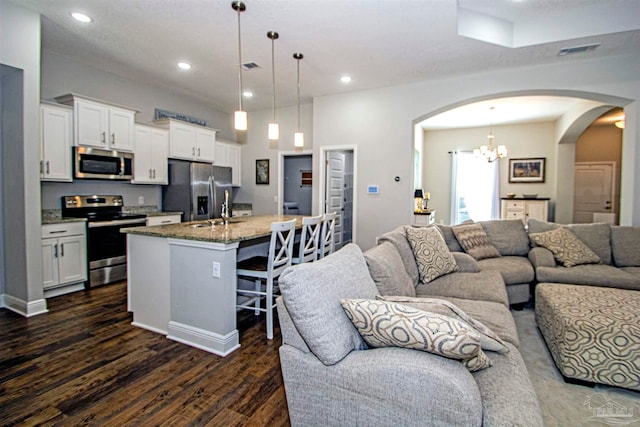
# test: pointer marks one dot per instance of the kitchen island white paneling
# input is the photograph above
(182, 278)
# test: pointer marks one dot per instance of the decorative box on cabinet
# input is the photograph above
(100, 124)
(150, 159)
(56, 137)
(64, 257)
(230, 154)
(190, 142)
(523, 209)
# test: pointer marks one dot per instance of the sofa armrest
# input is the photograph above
(541, 257)
(383, 386)
(466, 263)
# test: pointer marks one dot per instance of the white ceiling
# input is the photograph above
(378, 42)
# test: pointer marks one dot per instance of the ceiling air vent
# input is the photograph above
(250, 66)
(577, 49)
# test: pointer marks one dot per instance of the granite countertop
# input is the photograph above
(239, 229)
(54, 216)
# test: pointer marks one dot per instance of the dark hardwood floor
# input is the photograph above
(84, 364)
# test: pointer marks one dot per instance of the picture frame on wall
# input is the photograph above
(529, 170)
(262, 171)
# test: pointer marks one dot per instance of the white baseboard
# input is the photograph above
(24, 308)
(222, 345)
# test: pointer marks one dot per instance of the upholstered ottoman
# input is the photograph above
(593, 333)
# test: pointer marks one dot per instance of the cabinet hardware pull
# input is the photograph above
(61, 249)
(193, 151)
(113, 138)
(198, 152)
(57, 231)
(47, 167)
(150, 174)
(55, 250)
(154, 174)
(104, 137)
(41, 170)
(165, 222)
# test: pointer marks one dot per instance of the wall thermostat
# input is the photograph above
(373, 189)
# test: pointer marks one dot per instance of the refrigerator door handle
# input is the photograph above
(212, 198)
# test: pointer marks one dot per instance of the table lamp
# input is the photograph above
(425, 202)
(419, 196)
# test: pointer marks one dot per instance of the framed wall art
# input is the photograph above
(527, 170)
(262, 171)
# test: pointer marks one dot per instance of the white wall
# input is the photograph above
(522, 141)
(20, 48)
(380, 122)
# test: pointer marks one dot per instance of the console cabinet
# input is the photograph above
(56, 137)
(524, 209)
(150, 163)
(64, 254)
(101, 125)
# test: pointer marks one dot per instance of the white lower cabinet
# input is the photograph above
(64, 255)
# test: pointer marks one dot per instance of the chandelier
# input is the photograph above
(491, 152)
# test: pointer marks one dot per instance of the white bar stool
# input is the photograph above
(268, 269)
(307, 249)
(327, 242)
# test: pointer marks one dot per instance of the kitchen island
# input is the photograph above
(182, 277)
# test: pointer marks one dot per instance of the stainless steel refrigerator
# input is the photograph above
(196, 189)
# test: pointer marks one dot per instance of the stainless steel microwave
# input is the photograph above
(94, 163)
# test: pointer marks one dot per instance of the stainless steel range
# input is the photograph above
(106, 246)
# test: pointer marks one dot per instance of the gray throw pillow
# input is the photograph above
(388, 324)
(388, 271)
(567, 249)
(312, 293)
(431, 253)
(475, 242)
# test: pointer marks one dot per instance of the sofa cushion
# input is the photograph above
(625, 246)
(514, 269)
(431, 253)
(566, 247)
(508, 236)
(450, 238)
(590, 274)
(388, 272)
(312, 293)
(474, 241)
(489, 339)
(483, 286)
(398, 238)
(597, 236)
(388, 324)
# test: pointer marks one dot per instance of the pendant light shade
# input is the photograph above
(298, 137)
(273, 130)
(240, 116)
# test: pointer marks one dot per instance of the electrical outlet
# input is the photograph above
(215, 271)
(141, 200)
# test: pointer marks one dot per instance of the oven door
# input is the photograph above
(107, 250)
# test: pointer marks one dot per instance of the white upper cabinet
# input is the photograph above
(101, 125)
(56, 123)
(190, 142)
(150, 156)
(230, 154)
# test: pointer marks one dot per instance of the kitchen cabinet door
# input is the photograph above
(121, 129)
(55, 143)
(72, 259)
(49, 263)
(205, 145)
(182, 141)
(150, 160)
(92, 124)
(230, 154)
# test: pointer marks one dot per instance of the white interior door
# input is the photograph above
(593, 191)
(334, 199)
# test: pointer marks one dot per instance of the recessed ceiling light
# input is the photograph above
(247, 94)
(81, 17)
(184, 65)
(345, 79)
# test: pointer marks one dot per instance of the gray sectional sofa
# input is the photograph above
(618, 249)
(332, 378)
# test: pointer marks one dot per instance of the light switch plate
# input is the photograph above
(215, 270)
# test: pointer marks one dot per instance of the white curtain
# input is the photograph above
(475, 188)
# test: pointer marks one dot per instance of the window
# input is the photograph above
(474, 194)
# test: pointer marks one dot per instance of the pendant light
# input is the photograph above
(273, 130)
(298, 137)
(240, 116)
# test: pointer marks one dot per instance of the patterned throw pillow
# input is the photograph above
(567, 249)
(489, 339)
(475, 242)
(431, 253)
(387, 324)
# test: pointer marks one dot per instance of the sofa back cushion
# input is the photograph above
(450, 238)
(388, 272)
(312, 294)
(625, 246)
(398, 238)
(508, 236)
